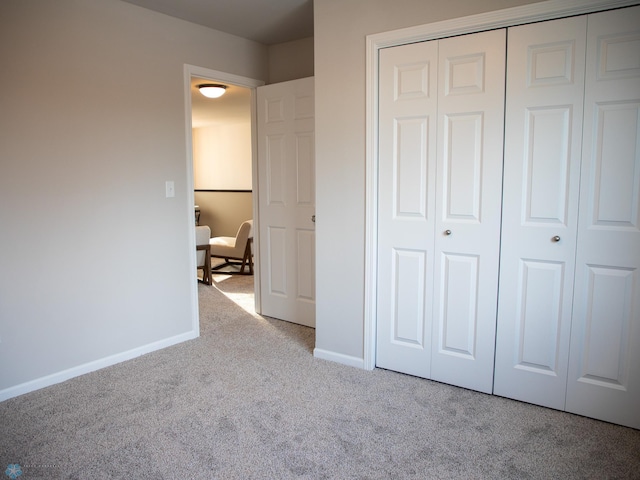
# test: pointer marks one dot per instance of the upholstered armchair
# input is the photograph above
(235, 250)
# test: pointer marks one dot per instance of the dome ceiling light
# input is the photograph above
(212, 90)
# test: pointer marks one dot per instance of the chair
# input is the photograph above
(203, 256)
(234, 250)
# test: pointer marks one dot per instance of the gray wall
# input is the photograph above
(223, 212)
(95, 262)
(291, 60)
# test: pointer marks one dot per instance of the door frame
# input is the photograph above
(231, 79)
(509, 17)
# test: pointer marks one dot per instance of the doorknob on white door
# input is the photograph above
(556, 238)
(447, 232)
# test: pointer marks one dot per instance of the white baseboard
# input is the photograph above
(339, 358)
(64, 375)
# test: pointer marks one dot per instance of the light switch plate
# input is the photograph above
(170, 189)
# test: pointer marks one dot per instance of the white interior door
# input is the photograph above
(440, 156)
(286, 200)
(545, 64)
(604, 369)
(471, 76)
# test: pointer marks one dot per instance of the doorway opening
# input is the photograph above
(221, 159)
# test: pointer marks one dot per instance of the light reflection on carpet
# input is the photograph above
(239, 289)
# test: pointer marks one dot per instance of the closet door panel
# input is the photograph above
(459, 330)
(540, 316)
(614, 188)
(471, 77)
(604, 372)
(546, 195)
(462, 167)
(545, 85)
(406, 206)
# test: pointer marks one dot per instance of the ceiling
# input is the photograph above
(264, 21)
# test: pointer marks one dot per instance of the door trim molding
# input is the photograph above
(222, 77)
(509, 17)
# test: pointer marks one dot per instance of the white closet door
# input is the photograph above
(471, 76)
(440, 156)
(604, 370)
(545, 85)
(406, 206)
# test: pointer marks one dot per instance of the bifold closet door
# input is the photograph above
(440, 171)
(568, 332)
(545, 87)
(471, 77)
(604, 368)
(407, 122)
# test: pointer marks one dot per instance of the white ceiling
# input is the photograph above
(264, 21)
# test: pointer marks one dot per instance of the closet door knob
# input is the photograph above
(447, 232)
(313, 218)
(556, 238)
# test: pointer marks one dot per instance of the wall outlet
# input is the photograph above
(170, 189)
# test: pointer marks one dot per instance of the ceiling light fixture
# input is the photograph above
(212, 90)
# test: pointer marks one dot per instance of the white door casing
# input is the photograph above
(286, 203)
(545, 65)
(440, 171)
(604, 364)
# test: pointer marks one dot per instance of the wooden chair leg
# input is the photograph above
(206, 276)
(245, 261)
(247, 258)
(207, 279)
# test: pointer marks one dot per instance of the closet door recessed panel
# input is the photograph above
(462, 174)
(615, 180)
(458, 315)
(538, 316)
(546, 198)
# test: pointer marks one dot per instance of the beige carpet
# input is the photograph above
(247, 400)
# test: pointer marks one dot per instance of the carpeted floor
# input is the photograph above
(247, 400)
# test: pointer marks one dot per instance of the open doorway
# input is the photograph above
(221, 155)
